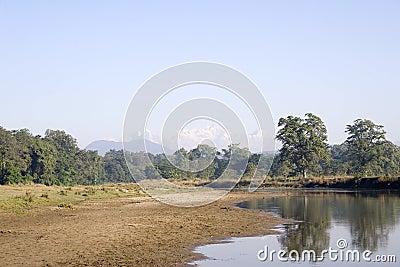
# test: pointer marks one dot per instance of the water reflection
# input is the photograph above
(369, 216)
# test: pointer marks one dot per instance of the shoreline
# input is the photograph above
(350, 183)
(137, 231)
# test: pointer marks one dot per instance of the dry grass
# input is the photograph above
(22, 199)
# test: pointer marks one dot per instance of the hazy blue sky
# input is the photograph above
(75, 65)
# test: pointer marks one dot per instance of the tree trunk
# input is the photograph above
(304, 173)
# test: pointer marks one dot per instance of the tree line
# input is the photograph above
(55, 158)
(366, 151)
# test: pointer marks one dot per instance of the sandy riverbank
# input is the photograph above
(136, 231)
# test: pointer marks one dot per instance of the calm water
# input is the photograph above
(361, 220)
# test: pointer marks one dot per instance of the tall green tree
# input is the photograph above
(368, 151)
(339, 160)
(115, 168)
(14, 156)
(43, 162)
(89, 167)
(24, 144)
(304, 142)
(67, 149)
(9, 172)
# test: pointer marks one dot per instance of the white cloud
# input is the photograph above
(113, 139)
(211, 134)
(152, 137)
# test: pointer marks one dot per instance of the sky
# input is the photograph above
(75, 65)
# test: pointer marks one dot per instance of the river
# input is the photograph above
(350, 228)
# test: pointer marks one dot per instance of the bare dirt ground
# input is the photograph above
(137, 231)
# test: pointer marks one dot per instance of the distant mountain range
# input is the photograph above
(103, 146)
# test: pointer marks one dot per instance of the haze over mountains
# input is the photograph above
(103, 146)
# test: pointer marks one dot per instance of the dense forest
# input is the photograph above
(55, 159)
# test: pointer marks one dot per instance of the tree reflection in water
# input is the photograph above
(369, 216)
